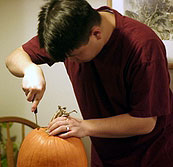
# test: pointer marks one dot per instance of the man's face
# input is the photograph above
(86, 52)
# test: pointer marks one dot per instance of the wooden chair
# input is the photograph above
(9, 143)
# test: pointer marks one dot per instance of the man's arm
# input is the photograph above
(120, 126)
(33, 84)
(18, 61)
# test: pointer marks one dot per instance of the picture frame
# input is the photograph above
(123, 7)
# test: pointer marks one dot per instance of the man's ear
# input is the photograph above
(96, 32)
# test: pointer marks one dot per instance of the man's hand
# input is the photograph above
(33, 84)
(66, 127)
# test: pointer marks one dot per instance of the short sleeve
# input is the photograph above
(38, 55)
(149, 93)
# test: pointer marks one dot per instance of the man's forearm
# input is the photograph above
(120, 126)
(18, 61)
(33, 83)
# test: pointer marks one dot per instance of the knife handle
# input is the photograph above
(35, 112)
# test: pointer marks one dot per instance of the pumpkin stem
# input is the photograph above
(61, 112)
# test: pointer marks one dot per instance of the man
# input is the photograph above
(119, 73)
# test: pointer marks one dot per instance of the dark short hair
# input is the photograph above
(65, 25)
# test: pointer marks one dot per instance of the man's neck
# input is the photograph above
(108, 24)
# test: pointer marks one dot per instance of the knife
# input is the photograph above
(36, 120)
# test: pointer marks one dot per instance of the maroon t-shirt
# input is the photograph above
(129, 75)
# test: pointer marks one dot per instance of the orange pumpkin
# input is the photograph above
(41, 150)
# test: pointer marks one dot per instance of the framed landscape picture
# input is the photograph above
(157, 14)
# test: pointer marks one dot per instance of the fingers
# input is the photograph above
(62, 131)
(34, 85)
(32, 93)
(66, 135)
(33, 96)
(58, 119)
(62, 126)
(58, 125)
(34, 105)
(66, 127)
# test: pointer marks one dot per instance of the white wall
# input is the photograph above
(18, 23)
(18, 20)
